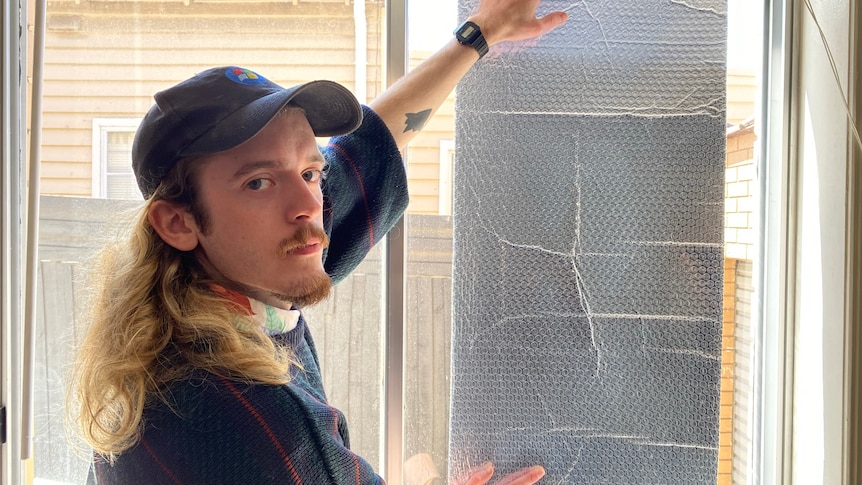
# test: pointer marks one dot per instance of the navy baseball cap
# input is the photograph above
(223, 107)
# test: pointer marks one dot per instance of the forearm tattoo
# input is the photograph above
(415, 121)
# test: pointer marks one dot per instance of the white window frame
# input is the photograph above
(13, 92)
(803, 369)
(101, 128)
(782, 289)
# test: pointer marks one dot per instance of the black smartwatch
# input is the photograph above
(468, 33)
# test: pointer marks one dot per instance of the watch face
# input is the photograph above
(468, 31)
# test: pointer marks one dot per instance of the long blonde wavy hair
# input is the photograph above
(154, 320)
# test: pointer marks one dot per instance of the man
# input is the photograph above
(198, 366)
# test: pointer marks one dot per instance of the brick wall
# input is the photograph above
(725, 427)
(740, 186)
(742, 349)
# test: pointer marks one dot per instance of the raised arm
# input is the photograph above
(410, 102)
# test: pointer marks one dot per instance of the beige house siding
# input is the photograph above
(741, 95)
(743, 345)
(105, 59)
(423, 153)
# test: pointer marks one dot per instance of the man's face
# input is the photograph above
(263, 202)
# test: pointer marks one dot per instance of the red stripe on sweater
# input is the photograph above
(335, 433)
(362, 191)
(356, 466)
(266, 429)
(160, 463)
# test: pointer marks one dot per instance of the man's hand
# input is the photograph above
(509, 20)
(481, 475)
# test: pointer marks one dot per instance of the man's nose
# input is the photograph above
(304, 200)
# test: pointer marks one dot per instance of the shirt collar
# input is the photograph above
(273, 320)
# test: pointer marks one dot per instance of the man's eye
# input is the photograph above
(311, 175)
(258, 184)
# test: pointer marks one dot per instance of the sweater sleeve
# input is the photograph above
(365, 193)
(223, 432)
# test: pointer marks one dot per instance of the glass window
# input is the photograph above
(103, 62)
(104, 59)
(430, 161)
(429, 258)
(112, 158)
(447, 168)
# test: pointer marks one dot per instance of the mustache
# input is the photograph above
(303, 237)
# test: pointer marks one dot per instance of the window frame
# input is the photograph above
(394, 280)
(13, 92)
(773, 426)
(853, 321)
(791, 47)
(768, 415)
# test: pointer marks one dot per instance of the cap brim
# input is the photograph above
(331, 109)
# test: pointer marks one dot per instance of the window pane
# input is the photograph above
(430, 158)
(429, 312)
(104, 60)
(120, 151)
(744, 33)
(122, 186)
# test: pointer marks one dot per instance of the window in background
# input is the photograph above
(112, 158)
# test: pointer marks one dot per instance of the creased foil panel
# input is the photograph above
(588, 212)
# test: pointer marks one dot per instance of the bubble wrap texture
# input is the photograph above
(589, 185)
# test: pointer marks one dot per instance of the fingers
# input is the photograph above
(525, 476)
(481, 475)
(536, 27)
(512, 20)
(552, 21)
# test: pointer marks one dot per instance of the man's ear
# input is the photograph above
(174, 224)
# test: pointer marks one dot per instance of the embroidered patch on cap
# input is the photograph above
(244, 76)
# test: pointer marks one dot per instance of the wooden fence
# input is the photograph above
(347, 328)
